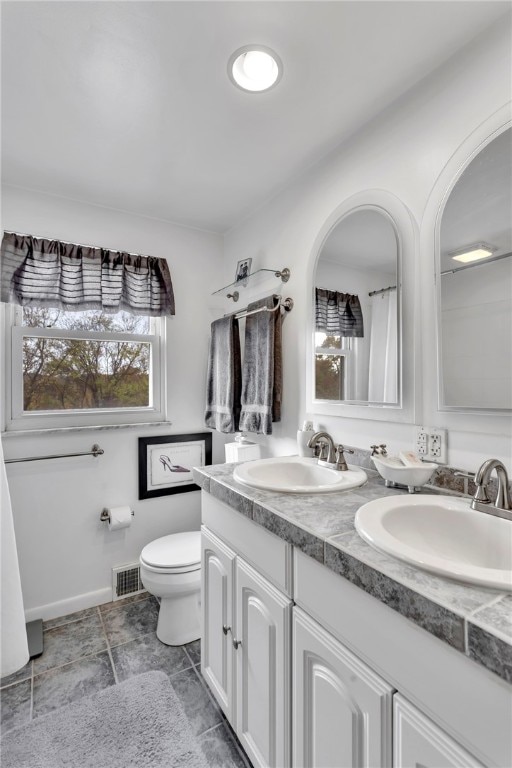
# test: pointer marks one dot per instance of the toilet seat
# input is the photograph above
(176, 553)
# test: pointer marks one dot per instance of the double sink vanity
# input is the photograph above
(325, 650)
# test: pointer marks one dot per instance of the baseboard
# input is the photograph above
(72, 604)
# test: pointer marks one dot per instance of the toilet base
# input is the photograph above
(179, 619)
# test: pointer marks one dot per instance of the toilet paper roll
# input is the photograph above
(119, 517)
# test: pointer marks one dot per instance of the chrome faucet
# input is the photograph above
(502, 506)
(324, 438)
(335, 458)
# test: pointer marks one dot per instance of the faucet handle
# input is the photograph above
(341, 463)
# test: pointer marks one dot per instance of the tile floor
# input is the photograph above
(92, 649)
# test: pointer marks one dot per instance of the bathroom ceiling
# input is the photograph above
(128, 104)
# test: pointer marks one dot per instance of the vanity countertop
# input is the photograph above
(473, 620)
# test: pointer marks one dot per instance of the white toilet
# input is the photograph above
(170, 568)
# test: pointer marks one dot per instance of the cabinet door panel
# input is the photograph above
(342, 714)
(262, 659)
(419, 743)
(217, 619)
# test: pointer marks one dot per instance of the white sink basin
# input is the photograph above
(441, 534)
(296, 474)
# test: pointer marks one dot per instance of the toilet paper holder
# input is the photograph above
(105, 515)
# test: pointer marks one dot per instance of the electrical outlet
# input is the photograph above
(422, 449)
(421, 442)
(431, 444)
(437, 445)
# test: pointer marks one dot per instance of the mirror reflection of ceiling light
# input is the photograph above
(255, 68)
(473, 252)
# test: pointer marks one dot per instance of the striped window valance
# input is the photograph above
(50, 273)
(338, 314)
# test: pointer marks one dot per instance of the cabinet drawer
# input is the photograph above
(269, 554)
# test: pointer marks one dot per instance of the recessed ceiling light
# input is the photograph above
(255, 68)
(472, 253)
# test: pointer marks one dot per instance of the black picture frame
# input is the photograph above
(243, 270)
(164, 463)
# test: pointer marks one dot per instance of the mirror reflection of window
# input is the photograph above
(476, 283)
(358, 260)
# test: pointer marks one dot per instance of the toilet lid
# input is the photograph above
(174, 551)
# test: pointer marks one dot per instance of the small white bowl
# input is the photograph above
(412, 477)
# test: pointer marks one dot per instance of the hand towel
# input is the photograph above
(262, 368)
(224, 376)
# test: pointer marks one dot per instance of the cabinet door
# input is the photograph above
(262, 669)
(217, 573)
(342, 709)
(419, 743)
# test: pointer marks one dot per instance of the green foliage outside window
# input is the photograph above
(80, 373)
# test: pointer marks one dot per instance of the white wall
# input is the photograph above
(65, 552)
(403, 152)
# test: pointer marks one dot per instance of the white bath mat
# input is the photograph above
(137, 724)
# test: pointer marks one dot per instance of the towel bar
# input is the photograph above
(287, 305)
(95, 451)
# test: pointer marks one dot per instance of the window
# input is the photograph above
(84, 368)
(332, 354)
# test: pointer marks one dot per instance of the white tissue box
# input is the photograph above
(242, 452)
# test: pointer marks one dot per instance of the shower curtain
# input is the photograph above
(382, 375)
(13, 638)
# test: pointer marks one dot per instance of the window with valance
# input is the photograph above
(88, 333)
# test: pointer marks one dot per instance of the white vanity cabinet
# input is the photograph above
(342, 709)
(419, 743)
(313, 672)
(246, 650)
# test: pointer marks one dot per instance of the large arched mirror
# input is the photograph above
(474, 284)
(357, 297)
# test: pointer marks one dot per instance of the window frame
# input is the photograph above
(16, 419)
(345, 351)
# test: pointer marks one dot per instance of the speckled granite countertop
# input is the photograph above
(474, 620)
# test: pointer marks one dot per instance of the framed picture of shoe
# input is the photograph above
(166, 461)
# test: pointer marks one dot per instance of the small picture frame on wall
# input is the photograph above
(243, 270)
(166, 461)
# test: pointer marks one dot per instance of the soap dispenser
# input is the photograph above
(304, 435)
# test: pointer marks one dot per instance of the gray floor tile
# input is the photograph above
(69, 618)
(15, 705)
(194, 651)
(199, 707)
(22, 674)
(70, 642)
(64, 685)
(220, 750)
(147, 653)
(126, 622)
(106, 607)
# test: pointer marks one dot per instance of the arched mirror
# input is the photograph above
(474, 284)
(357, 311)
